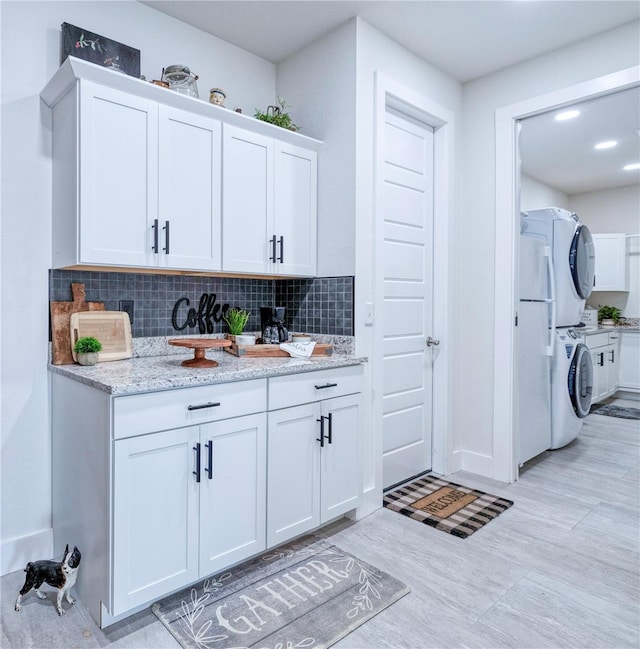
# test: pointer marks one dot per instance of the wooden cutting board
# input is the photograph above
(321, 349)
(111, 328)
(60, 321)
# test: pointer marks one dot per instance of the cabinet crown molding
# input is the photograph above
(74, 69)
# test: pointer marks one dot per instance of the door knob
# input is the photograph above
(432, 341)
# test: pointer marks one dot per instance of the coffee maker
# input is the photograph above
(272, 324)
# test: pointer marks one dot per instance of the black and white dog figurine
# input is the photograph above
(61, 575)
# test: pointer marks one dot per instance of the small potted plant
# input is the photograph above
(236, 320)
(608, 315)
(277, 115)
(87, 350)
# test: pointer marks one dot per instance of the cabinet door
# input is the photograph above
(612, 358)
(629, 378)
(611, 271)
(293, 497)
(118, 176)
(247, 201)
(232, 491)
(295, 196)
(155, 516)
(600, 373)
(339, 459)
(189, 190)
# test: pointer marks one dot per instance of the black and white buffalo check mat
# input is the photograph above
(447, 506)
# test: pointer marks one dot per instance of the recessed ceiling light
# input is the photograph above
(632, 167)
(568, 114)
(607, 144)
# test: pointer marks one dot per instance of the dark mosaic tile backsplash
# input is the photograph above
(321, 305)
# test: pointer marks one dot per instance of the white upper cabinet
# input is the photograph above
(104, 177)
(295, 199)
(188, 226)
(137, 180)
(612, 264)
(269, 205)
(247, 201)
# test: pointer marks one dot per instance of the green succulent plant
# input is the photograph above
(277, 115)
(609, 313)
(87, 345)
(237, 320)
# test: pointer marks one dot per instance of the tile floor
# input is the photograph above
(559, 569)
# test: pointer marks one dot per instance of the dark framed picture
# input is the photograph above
(86, 45)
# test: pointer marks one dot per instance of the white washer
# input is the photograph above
(571, 386)
(573, 258)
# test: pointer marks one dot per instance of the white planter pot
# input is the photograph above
(245, 339)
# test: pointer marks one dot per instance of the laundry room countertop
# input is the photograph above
(630, 328)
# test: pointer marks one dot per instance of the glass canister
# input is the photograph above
(181, 79)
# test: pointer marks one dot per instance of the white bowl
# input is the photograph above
(300, 338)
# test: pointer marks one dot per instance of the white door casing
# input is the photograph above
(505, 430)
(369, 330)
(404, 251)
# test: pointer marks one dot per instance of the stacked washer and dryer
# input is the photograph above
(555, 373)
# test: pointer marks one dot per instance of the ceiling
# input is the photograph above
(562, 154)
(466, 40)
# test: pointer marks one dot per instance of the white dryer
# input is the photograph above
(571, 386)
(573, 258)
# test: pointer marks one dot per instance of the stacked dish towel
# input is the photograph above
(298, 350)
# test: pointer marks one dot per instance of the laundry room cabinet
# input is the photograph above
(271, 228)
(605, 355)
(314, 447)
(629, 378)
(612, 262)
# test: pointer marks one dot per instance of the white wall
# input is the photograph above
(319, 82)
(474, 294)
(615, 210)
(535, 194)
(29, 57)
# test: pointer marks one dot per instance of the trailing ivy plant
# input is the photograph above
(277, 115)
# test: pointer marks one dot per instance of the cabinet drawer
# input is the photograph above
(597, 340)
(147, 413)
(293, 390)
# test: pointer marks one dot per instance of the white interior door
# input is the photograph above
(405, 253)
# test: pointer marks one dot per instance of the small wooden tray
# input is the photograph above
(200, 346)
(249, 351)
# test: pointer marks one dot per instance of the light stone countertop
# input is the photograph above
(620, 329)
(153, 373)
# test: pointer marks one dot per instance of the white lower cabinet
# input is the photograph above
(605, 357)
(164, 488)
(312, 474)
(629, 378)
(176, 499)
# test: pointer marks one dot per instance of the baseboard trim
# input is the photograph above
(475, 463)
(17, 551)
